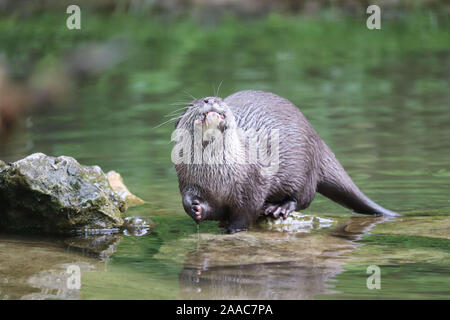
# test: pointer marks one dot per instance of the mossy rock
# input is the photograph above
(57, 195)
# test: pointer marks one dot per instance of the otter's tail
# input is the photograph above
(339, 187)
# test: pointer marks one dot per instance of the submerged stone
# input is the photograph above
(296, 222)
(57, 195)
(137, 226)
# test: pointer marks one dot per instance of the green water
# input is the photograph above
(379, 99)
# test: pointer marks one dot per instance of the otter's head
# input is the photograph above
(209, 113)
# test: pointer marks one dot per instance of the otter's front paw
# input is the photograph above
(198, 210)
(230, 230)
(233, 230)
(236, 226)
(195, 207)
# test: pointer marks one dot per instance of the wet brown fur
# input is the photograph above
(236, 194)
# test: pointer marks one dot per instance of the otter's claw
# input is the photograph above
(280, 209)
(196, 210)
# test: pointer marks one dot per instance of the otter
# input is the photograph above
(237, 191)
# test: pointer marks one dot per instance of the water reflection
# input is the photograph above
(50, 268)
(270, 265)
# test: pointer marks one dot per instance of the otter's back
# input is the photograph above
(299, 144)
(259, 109)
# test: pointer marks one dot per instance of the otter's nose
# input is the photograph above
(209, 100)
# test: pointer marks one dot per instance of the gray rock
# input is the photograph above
(56, 195)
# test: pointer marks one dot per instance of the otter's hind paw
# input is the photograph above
(280, 209)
